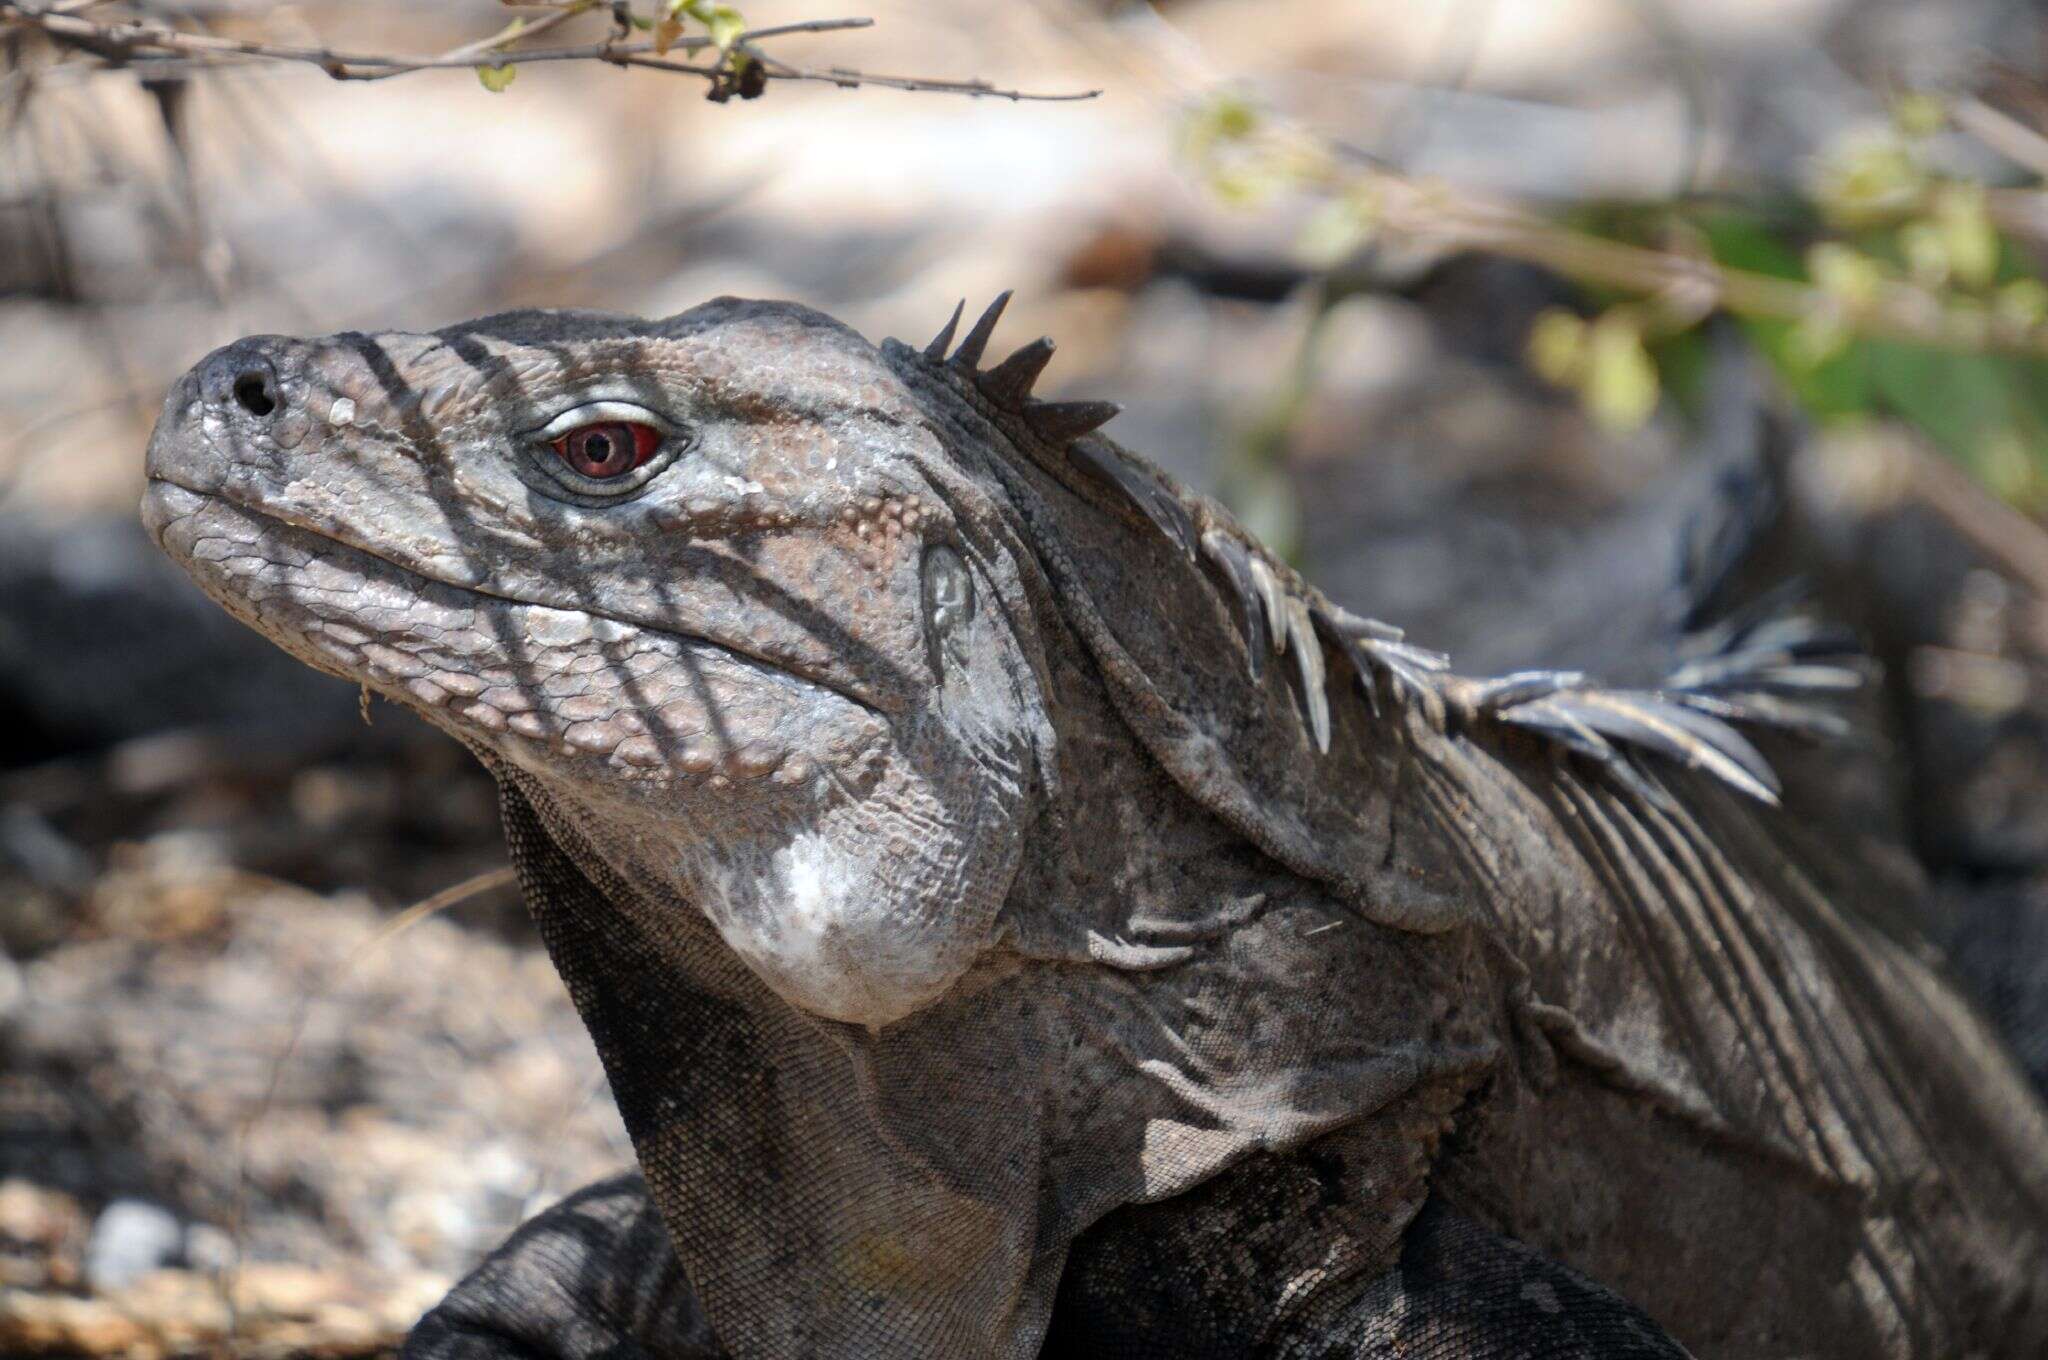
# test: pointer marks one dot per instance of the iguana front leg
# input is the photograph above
(1154, 1282)
(1463, 1292)
(593, 1276)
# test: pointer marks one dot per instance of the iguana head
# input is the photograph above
(693, 578)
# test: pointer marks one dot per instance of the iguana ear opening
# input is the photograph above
(1178, 608)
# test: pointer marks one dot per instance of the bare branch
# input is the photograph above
(848, 79)
(517, 30)
(2003, 133)
(129, 41)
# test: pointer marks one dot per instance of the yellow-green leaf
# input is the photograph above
(1338, 229)
(1233, 117)
(2023, 302)
(1845, 274)
(1865, 179)
(726, 25)
(1967, 234)
(1926, 254)
(1918, 114)
(1226, 117)
(1557, 347)
(1620, 387)
(1819, 336)
(496, 78)
(2006, 466)
(1244, 183)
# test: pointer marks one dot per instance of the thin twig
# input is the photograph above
(2003, 133)
(517, 30)
(849, 79)
(476, 885)
(117, 43)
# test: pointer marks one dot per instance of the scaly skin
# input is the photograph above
(995, 917)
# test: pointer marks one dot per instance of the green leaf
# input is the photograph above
(1967, 234)
(1817, 337)
(1957, 399)
(1848, 276)
(1224, 118)
(1918, 114)
(1837, 385)
(726, 25)
(1620, 388)
(2022, 302)
(496, 78)
(1246, 183)
(1926, 254)
(1338, 229)
(1743, 241)
(2008, 466)
(1866, 179)
(1557, 347)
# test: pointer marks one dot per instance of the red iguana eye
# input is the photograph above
(610, 448)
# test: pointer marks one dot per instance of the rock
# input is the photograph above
(56, 1324)
(131, 1238)
(209, 1250)
(42, 1232)
(280, 1289)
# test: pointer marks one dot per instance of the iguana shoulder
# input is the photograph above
(1677, 936)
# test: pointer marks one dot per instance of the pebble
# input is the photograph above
(131, 1238)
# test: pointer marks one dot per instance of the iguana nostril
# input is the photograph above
(256, 392)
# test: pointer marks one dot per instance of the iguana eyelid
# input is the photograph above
(596, 412)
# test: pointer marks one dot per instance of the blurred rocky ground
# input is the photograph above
(239, 1111)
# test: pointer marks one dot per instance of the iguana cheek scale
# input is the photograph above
(970, 851)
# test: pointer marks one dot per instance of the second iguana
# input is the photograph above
(1018, 914)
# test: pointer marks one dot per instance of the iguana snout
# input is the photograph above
(708, 602)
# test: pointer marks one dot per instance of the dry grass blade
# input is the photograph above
(454, 895)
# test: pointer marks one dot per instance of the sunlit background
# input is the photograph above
(1468, 306)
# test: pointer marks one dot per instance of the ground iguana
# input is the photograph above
(1019, 915)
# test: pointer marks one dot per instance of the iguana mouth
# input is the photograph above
(649, 704)
(286, 527)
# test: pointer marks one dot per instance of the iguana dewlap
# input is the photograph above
(1016, 911)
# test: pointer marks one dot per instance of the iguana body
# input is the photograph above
(1015, 911)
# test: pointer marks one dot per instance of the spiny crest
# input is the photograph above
(1758, 667)
(1763, 667)
(1008, 384)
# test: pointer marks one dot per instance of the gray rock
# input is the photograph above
(131, 1238)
